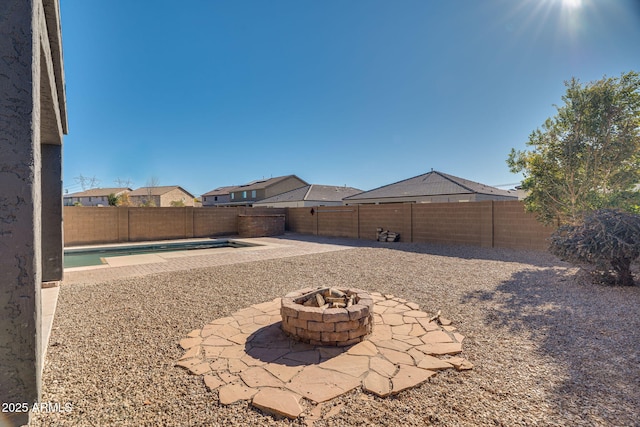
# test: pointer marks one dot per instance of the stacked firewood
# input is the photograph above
(327, 298)
(387, 236)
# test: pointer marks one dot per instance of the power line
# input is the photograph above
(507, 185)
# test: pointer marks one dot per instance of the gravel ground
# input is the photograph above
(547, 348)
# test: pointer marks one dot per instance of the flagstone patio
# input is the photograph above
(247, 356)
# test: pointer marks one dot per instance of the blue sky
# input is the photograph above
(363, 93)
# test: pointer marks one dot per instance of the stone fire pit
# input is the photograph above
(327, 316)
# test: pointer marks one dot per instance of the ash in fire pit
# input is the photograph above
(327, 316)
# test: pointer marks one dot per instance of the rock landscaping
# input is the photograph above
(548, 348)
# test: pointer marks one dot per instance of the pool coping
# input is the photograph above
(161, 257)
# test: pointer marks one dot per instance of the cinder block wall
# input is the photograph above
(515, 228)
(93, 225)
(337, 221)
(87, 225)
(301, 220)
(449, 223)
(157, 224)
(215, 222)
(489, 224)
(394, 217)
(254, 225)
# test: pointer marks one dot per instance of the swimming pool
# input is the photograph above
(84, 257)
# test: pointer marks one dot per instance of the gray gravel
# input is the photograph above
(548, 349)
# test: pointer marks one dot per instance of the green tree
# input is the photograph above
(587, 156)
(113, 199)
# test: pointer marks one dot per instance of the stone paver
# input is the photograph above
(319, 385)
(247, 356)
(408, 377)
(231, 393)
(279, 402)
(377, 384)
(212, 382)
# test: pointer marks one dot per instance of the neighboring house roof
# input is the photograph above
(156, 191)
(264, 183)
(314, 192)
(257, 184)
(98, 192)
(221, 191)
(433, 183)
(519, 193)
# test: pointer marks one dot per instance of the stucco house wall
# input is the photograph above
(176, 195)
(215, 200)
(87, 201)
(283, 186)
(33, 121)
(219, 196)
(93, 197)
(253, 192)
(161, 196)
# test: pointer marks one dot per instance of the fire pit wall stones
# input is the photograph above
(327, 326)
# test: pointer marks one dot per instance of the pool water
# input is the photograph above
(95, 256)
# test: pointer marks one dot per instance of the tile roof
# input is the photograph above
(220, 191)
(264, 183)
(433, 183)
(253, 185)
(156, 191)
(97, 192)
(314, 192)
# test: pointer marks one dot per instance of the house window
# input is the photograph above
(233, 196)
(253, 194)
(244, 194)
(215, 198)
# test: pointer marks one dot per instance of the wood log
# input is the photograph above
(302, 299)
(335, 292)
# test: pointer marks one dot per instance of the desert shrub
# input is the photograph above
(124, 200)
(605, 244)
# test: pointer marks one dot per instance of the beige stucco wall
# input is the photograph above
(174, 196)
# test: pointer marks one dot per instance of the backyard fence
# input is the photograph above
(92, 225)
(488, 223)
